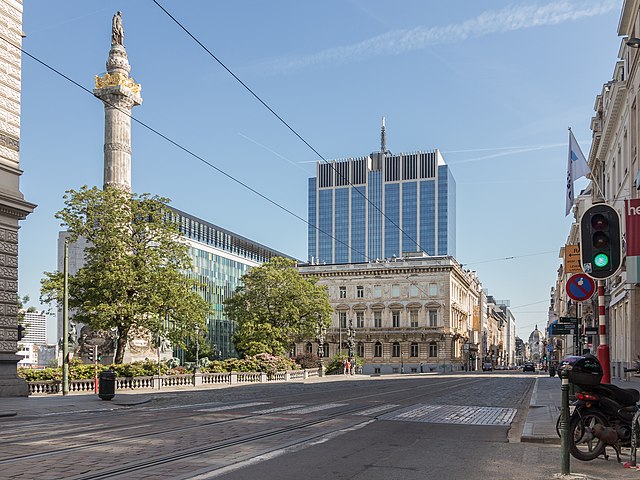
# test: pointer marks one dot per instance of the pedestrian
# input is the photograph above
(347, 367)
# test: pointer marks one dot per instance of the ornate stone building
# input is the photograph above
(414, 314)
(13, 206)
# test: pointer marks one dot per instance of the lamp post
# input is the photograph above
(321, 331)
(197, 369)
(351, 343)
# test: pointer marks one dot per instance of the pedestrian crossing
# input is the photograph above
(424, 413)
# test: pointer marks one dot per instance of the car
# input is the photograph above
(528, 367)
(487, 367)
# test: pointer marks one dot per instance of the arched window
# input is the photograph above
(309, 348)
(325, 350)
(433, 349)
(377, 351)
(396, 349)
(414, 349)
(293, 350)
(360, 350)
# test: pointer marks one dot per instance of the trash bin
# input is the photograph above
(552, 370)
(107, 385)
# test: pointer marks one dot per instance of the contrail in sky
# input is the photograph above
(397, 42)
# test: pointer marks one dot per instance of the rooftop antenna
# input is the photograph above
(383, 138)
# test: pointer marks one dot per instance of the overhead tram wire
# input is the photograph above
(239, 182)
(284, 122)
(181, 147)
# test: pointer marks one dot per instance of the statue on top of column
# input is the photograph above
(117, 32)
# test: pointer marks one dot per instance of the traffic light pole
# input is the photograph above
(603, 348)
(65, 321)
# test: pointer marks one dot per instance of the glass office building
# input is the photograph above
(219, 258)
(381, 206)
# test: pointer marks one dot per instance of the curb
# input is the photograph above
(544, 439)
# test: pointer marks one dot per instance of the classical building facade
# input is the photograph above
(414, 314)
(381, 206)
(13, 206)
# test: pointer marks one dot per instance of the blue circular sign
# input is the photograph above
(580, 287)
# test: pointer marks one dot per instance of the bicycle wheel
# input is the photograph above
(583, 444)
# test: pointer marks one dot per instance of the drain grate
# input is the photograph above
(455, 414)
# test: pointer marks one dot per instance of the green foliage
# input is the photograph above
(134, 273)
(145, 368)
(274, 306)
(263, 362)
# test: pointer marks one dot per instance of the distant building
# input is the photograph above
(35, 324)
(536, 346)
(381, 206)
(29, 353)
(411, 315)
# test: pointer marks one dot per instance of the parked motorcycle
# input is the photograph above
(601, 414)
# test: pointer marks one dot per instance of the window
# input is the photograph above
(433, 289)
(343, 292)
(395, 370)
(433, 318)
(414, 349)
(377, 351)
(395, 318)
(360, 349)
(395, 351)
(343, 319)
(413, 317)
(395, 290)
(360, 291)
(376, 370)
(325, 350)
(309, 348)
(415, 291)
(433, 349)
(377, 319)
(359, 319)
(377, 291)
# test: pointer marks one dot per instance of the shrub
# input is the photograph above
(308, 360)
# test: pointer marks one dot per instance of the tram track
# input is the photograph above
(435, 389)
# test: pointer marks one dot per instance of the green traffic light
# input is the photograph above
(601, 260)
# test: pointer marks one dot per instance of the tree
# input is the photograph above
(275, 306)
(135, 275)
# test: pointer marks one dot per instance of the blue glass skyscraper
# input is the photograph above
(380, 206)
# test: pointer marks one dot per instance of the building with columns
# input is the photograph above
(411, 314)
(13, 206)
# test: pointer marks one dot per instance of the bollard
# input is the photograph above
(634, 439)
(564, 424)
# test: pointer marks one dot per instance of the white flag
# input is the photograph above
(577, 167)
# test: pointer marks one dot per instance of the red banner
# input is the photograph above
(632, 218)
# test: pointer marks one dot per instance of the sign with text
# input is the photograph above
(632, 218)
(560, 329)
(572, 259)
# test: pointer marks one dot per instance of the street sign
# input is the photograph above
(571, 320)
(572, 259)
(591, 331)
(559, 329)
(580, 287)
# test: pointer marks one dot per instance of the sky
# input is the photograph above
(494, 85)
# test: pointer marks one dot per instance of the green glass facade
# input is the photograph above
(220, 258)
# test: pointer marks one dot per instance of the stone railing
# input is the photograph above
(172, 381)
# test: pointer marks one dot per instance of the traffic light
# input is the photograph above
(93, 354)
(600, 244)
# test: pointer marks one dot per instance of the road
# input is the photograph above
(404, 427)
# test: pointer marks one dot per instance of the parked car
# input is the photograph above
(487, 367)
(529, 367)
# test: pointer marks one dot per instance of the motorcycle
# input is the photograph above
(601, 414)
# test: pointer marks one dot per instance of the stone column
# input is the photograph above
(13, 206)
(120, 94)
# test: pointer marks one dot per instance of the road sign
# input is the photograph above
(591, 331)
(571, 320)
(572, 259)
(580, 287)
(559, 329)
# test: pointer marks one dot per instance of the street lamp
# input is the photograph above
(351, 342)
(197, 369)
(321, 332)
